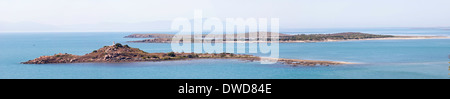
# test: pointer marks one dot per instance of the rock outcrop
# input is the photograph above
(123, 53)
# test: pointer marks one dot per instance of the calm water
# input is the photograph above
(380, 58)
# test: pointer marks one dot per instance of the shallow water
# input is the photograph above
(379, 58)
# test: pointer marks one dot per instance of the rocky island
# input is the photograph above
(286, 38)
(119, 53)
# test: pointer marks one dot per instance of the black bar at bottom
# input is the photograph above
(215, 87)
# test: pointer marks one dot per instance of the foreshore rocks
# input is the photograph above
(57, 58)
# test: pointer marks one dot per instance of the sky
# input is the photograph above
(155, 15)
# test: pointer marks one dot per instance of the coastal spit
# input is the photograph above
(119, 53)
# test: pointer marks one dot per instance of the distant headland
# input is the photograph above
(119, 53)
(286, 38)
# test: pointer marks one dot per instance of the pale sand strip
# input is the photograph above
(389, 38)
(304, 62)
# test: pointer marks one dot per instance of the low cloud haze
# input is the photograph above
(155, 15)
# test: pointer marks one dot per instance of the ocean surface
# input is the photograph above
(380, 59)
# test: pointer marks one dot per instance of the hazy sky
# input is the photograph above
(147, 15)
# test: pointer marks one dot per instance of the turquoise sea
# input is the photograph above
(381, 59)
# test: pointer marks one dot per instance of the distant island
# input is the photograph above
(119, 53)
(286, 38)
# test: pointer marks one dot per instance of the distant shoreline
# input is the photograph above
(389, 38)
(167, 38)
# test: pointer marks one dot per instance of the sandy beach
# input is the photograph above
(389, 38)
(330, 40)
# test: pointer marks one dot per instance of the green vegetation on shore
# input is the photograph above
(157, 38)
(337, 36)
(123, 53)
